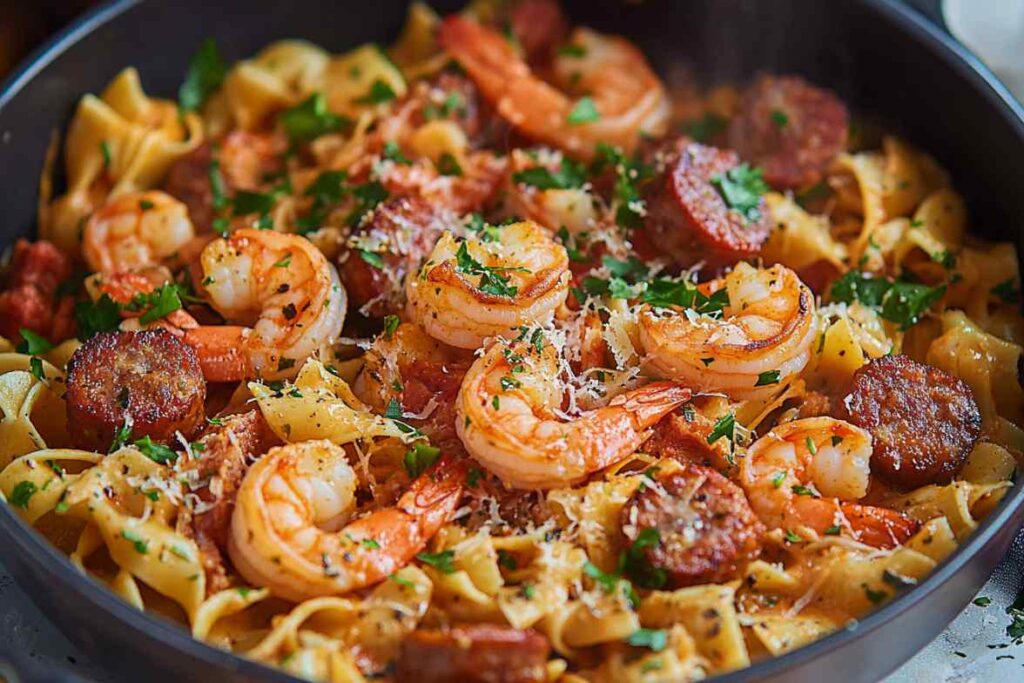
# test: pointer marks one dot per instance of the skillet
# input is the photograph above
(880, 57)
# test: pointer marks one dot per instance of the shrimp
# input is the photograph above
(471, 290)
(134, 231)
(628, 97)
(763, 338)
(506, 418)
(802, 474)
(284, 296)
(290, 530)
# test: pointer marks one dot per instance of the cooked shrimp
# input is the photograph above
(289, 531)
(628, 97)
(471, 290)
(507, 419)
(134, 231)
(802, 475)
(282, 290)
(763, 337)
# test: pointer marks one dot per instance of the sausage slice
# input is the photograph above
(688, 216)
(478, 653)
(706, 529)
(923, 421)
(789, 128)
(406, 229)
(151, 377)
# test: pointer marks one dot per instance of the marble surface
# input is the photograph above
(974, 648)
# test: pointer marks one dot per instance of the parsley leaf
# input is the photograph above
(32, 344)
(393, 153)
(206, 72)
(420, 458)
(897, 301)
(767, 378)
(310, 119)
(138, 542)
(742, 188)
(156, 452)
(570, 175)
(391, 323)
(378, 93)
(102, 315)
(21, 493)
(725, 426)
(159, 303)
(656, 640)
(443, 561)
(584, 111)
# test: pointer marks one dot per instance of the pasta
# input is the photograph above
(408, 363)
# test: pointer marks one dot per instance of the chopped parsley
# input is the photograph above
(793, 537)
(206, 71)
(157, 304)
(393, 411)
(767, 378)
(370, 544)
(105, 152)
(724, 427)
(156, 452)
(569, 175)
(833, 530)
(982, 601)
(379, 93)
(897, 301)
(393, 152)
(742, 187)
(448, 165)
(391, 323)
(22, 493)
(630, 174)
(634, 564)
(655, 639)
(778, 478)
(875, 596)
(138, 542)
(584, 111)
(571, 50)
(779, 118)
(310, 119)
(420, 458)
(101, 315)
(32, 344)
(492, 279)
(443, 561)
(368, 196)
(373, 258)
(801, 490)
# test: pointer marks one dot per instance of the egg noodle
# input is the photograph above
(465, 392)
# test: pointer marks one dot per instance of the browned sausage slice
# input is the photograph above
(479, 653)
(706, 529)
(689, 218)
(151, 377)
(406, 228)
(923, 421)
(789, 128)
(219, 461)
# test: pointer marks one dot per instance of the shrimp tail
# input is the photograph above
(879, 527)
(220, 351)
(398, 533)
(648, 404)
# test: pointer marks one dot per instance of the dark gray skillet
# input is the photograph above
(880, 57)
